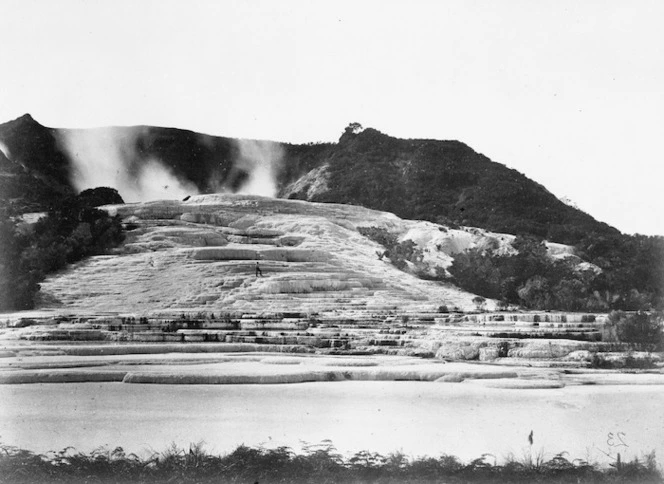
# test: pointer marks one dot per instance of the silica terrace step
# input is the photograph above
(353, 328)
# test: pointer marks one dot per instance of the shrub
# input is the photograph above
(94, 197)
(319, 464)
(631, 363)
(479, 302)
(398, 252)
(641, 329)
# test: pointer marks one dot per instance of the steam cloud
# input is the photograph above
(261, 160)
(109, 157)
(104, 157)
(5, 150)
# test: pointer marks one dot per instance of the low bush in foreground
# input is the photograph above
(629, 362)
(641, 330)
(317, 464)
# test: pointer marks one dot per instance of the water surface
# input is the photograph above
(418, 418)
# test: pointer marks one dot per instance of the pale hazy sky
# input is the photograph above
(570, 93)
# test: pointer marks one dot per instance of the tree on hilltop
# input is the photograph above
(353, 128)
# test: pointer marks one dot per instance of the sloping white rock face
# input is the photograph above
(200, 255)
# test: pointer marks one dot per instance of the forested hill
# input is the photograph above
(445, 182)
(440, 181)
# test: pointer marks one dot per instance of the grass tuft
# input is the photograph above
(319, 463)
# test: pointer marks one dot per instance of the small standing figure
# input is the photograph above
(258, 270)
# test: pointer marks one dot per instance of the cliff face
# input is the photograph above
(438, 181)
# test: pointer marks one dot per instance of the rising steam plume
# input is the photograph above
(108, 157)
(261, 160)
(4, 150)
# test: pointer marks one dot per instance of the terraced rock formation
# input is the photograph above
(200, 255)
(185, 281)
(558, 340)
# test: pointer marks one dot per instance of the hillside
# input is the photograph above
(439, 181)
(34, 172)
(444, 181)
(200, 255)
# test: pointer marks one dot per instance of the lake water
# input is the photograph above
(418, 418)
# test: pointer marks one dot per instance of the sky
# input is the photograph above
(570, 93)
